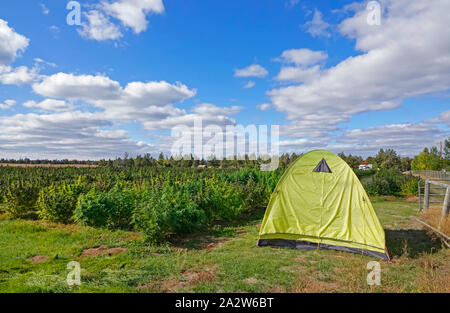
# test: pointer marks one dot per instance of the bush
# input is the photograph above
(223, 200)
(410, 186)
(20, 200)
(112, 209)
(58, 203)
(163, 211)
(390, 182)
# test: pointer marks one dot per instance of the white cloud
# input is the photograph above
(99, 27)
(443, 118)
(249, 85)
(263, 106)
(151, 103)
(209, 114)
(317, 27)
(11, 43)
(45, 10)
(72, 135)
(133, 13)
(304, 69)
(407, 139)
(49, 105)
(18, 76)
(86, 87)
(254, 70)
(291, 3)
(407, 56)
(298, 74)
(7, 104)
(302, 57)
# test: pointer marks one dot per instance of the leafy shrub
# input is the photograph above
(410, 186)
(223, 200)
(57, 203)
(255, 194)
(167, 210)
(20, 200)
(387, 182)
(112, 209)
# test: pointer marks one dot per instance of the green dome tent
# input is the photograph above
(320, 203)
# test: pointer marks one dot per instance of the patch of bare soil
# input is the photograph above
(412, 199)
(38, 259)
(189, 278)
(277, 289)
(308, 283)
(102, 250)
(241, 231)
(134, 236)
(251, 280)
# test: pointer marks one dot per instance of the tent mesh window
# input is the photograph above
(322, 166)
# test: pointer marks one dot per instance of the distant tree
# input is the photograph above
(427, 160)
(447, 149)
(388, 159)
(352, 160)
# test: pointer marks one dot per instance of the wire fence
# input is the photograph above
(442, 176)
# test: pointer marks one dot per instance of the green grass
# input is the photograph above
(224, 260)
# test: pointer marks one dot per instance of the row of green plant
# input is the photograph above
(158, 204)
(389, 182)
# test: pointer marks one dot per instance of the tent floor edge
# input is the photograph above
(307, 245)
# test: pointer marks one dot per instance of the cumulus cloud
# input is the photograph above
(299, 65)
(49, 105)
(72, 135)
(147, 102)
(263, 106)
(87, 87)
(298, 74)
(400, 59)
(45, 10)
(249, 85)
(302, 57)
(7, 104)
(407, 139)
(18, 76)
(11, 43)
(132, 14)
(317, 27)
(254, 70)
(207, 113)
(99, 27)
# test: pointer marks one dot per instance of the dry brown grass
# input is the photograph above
(38, 259)
(433, 217)
(435, 275)
(189, 278)
(102, 250)
(308, 283)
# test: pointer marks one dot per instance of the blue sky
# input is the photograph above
(133, 70)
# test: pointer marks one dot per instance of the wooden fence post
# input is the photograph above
(445, 207)
(426, 196)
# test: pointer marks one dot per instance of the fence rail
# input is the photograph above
(433, 175)
(430, 197)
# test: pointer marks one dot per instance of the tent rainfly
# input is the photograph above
(319, 203)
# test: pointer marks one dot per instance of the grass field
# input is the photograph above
(34, 256)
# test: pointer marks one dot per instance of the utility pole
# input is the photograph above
(441, 151)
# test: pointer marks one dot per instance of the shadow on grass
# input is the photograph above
(412, 242)
(218, 232)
